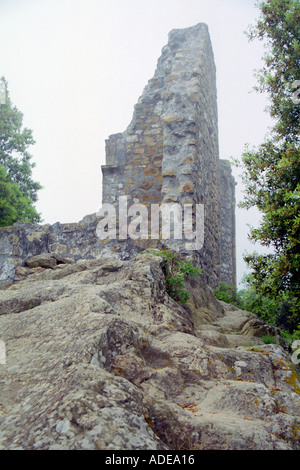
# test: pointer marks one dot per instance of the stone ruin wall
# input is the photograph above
(169, 152)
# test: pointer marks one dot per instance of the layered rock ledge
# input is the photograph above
(98, 356)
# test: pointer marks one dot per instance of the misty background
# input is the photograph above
(75, 69)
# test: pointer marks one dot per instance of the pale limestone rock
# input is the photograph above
(100, 357)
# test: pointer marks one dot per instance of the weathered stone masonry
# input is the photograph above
(169, 153)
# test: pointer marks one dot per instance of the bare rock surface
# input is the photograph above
(98, 356)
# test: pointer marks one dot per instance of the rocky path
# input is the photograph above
(98, 356)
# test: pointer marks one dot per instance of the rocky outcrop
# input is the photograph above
(22, 243)
(24, 240)
(98, 356)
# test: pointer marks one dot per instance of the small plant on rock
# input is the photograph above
(267, 339)
(176, 272)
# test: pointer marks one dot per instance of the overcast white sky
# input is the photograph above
(75, 68)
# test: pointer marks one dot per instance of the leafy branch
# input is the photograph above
(176, 273)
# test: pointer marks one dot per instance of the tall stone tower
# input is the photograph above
(169, 153)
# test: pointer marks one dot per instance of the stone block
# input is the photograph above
(171, 119)
(146, 185)
(150, 170)
(187, 187)
(168, 173)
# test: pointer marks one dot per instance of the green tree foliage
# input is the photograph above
(14, 205)
(18, 192)
(274, 311)
(271, 173)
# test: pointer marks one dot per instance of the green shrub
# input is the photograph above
(274, 311)
(227, 294)
(249, 299)
(267, 339)
(176, 272)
